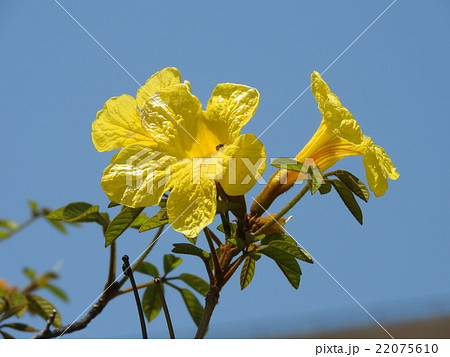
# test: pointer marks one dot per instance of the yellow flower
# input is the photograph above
(338, 136)
(170, 143)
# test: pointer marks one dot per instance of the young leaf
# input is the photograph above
(315, 179)
(232, 229)
(238, 242)
(195, 282)
(56, 291)
(325, 188)
(56, 214)
(291, 250)
(20, 327)
(194, 307)
(354, 184)
(113, 204)
(6, 335)
(147, 268)
(43, 308)
(33, 206)
(152, 222)
(8, 224)
(30, 273)
(278, 236)
(247, 272)
(186, 248)
(286, 263)
(79, 212)
(347, 197)
(288, 164)
(170, 262)
(139, 221)
(151, 303)
(58, 225)
(120, 223)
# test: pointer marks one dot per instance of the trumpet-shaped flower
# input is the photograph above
(170, 144)
(338, 136)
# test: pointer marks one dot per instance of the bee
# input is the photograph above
(220, 146)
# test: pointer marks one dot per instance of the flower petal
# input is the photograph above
(230, 107)
(191, 206)
(170, 118)
(378, 166)
(162, 79)
(244, 162)
(137, 176)
(118, 124)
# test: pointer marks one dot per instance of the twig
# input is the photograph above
(157, 282)
(49, 322)
(211, 301)
(140, 286)
(217, 267)
(127, 271)
(112, 264)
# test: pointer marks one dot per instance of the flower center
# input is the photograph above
(207, 143)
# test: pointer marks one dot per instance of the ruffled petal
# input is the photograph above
(191, 206)
(162, 79)
(244, 162)
(118, 124)
(137, 176)
(320, 89)
(378, 167)
(230, 107)
(170, 118)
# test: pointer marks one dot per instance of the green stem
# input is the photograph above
(285, 210)
(112, 264)
(127, 290)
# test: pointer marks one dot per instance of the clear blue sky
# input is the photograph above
(394, 79)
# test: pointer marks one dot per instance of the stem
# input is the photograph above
(143, 255)
(285, 210)
(127, 271)
(140, 286)
(112, 264)
(157, 281)
(233, 268)
(211, 301)
(217, 267)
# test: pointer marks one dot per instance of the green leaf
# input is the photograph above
(278, 236)
(223, 206)
(17, 310)
(162, 214)
(291, 249)
(80, 212)
(347, 197)
(56, 291)
(152, 222)
(286, 263)
(315, 179)
(43, 308)
(170, 262)
(354, 184)
(113, 204)
(238, 242)
(151, 302)
(195, 282)
(9, 224)
(255, 255)
(233, 227)
(33, 206)
(120, 223)
(247, 272)
(4, 235)
(325, 188)
(147, 268)
(288, 164)
(56, 214)
(6, 335)
(30, 273)
(194, 307)
(139, 221)
(20, 327)
(58, 225)
(16, 298)
(186, 248)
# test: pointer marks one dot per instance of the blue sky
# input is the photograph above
(394, 80)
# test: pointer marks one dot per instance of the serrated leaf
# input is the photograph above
(113, 204)
(43, 308)
(58, 225)
(291, 249)
(354, 184)
(151, 302)
(233, 227)
(9, 224)
(193, 305)
(80, 212)
(223, 206)
(349, 200)
(288, 164)
(152, 222)
(20, 327)
(33, 206)
(120, 223)
(287, 264)
(170, 262)
(247, 272)
(325, 188)
(6, 335)
(56, 291)
(147, 268)
(139, 221)
(30, 273)
(195, 282)
(186, 248)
